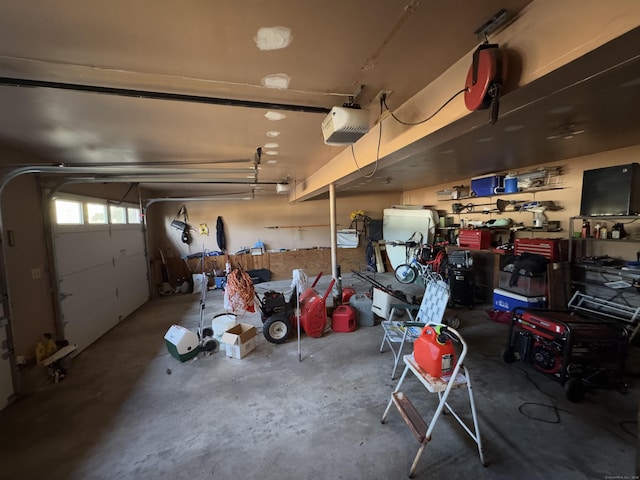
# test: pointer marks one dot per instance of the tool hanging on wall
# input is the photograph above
(485, 79)
(182, 225)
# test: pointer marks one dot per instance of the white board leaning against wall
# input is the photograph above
(99, 252)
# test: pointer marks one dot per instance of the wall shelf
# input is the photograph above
(590, 241)
(520, 192)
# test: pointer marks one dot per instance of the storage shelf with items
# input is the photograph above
(597, 236)
(506, 195)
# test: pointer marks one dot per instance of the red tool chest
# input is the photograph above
(555, 249)
(476, 239)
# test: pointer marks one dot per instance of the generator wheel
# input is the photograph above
(405, 273)
(574, 389)
(508, 355)
(277, 328)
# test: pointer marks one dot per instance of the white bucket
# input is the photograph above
(222, 322)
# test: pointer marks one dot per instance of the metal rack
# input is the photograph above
(594, 306)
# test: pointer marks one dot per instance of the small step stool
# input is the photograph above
(442, 386)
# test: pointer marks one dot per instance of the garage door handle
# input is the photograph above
(63, 296)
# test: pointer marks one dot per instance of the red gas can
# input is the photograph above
(434, 352)
(347, 293)
(344, 319)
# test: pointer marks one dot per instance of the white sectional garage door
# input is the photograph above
(102, 277)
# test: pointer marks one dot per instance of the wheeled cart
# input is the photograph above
(576, 351)
(458, 379)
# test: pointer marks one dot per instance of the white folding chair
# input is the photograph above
(431, 311)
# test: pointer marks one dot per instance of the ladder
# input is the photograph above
(443, 386)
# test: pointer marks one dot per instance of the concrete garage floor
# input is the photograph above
(129, 410)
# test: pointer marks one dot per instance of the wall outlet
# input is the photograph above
(36, 273)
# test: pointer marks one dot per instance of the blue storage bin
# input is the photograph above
(487, 185)
(505, 301)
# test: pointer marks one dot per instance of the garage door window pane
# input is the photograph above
(96, 213)
(134, 215)
(118, 214)
(68, 212)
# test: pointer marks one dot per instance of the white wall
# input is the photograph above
(245, 222)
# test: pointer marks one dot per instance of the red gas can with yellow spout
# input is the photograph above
(433, 351)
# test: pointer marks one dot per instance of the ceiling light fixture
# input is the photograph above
(566, 132)
(272, 161)
(279, 81)
(274, 116)
(271, 145)
(273, 38)
(560, 110)
(273, 133)
(271, 152)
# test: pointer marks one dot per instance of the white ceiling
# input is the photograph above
(202, 58)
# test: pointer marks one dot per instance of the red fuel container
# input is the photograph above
(344, 319)
(347, 293)
(436, 357)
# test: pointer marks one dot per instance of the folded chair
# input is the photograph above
(431, 310)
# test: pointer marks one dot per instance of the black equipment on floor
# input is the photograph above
(576, 351)
(462, 286)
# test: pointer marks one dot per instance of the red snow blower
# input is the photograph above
(279, 317)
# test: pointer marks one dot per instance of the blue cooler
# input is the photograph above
(505, 301)
(487, 185)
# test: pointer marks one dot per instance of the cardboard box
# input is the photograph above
(239, 340)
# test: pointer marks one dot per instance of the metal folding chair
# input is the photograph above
(430, 311)
(443, 386)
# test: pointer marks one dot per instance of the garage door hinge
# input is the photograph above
(4, 321)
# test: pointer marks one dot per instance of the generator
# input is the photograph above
(578, 352)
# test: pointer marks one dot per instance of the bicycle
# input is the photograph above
(413, 268)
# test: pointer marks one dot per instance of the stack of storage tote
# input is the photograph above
(523, 283)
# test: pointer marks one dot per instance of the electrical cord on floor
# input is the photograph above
(622, 424)
(556, 410)
(623, 427)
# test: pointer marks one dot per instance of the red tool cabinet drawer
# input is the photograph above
(555, 249)
(477, 239)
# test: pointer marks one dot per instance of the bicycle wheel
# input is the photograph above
(405, 273)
